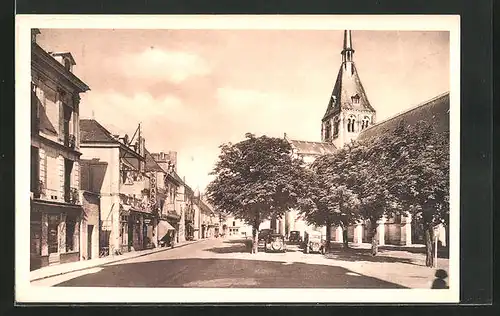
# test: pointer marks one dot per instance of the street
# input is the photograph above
(228, 263)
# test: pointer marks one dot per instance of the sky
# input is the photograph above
(193, 90)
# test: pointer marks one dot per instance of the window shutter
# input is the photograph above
(61, 118)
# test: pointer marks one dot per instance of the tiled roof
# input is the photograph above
(312, 148)
(93, 132)
(436, 109)
(151, 164)
(346, 86)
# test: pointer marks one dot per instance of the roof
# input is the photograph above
(436, 109)
(151, 164)
(347, 85)
(42, 59)
(92, 131)
(64, 54)
(312, 148)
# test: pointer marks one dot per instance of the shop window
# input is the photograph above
(70, 233)
(36, 233)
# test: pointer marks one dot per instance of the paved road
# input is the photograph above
(221, 263)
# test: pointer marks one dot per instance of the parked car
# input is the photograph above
(275, 242)
(262, 237)
(314, 242)
(295, 237)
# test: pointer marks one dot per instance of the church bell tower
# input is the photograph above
(349, 111)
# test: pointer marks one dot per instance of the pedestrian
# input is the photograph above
(439, 282)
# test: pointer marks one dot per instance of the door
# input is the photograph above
(52, 238)
(90, 229)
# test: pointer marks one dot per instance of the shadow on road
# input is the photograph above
(226, 273)
(365, 255)
(443, 253)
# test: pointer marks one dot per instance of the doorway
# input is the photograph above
(90, 229)
(52, 238)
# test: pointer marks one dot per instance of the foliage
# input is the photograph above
(256, 179)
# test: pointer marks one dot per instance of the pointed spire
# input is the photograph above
(347, 51)
(347, 40)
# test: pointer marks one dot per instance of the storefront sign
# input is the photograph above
(152, 190)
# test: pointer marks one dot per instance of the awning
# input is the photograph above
(163, 228)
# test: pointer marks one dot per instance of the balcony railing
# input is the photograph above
(71, 141)
(72, 196)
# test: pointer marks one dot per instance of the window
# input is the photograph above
(365, 122)
(70, 233)
(328, 128)
(350, 124)
(355, 99)
(67, 64)
(234, 223)
(336, 126)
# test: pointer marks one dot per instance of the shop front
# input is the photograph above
(54, 233)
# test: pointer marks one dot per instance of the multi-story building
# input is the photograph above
(127, 220)
(56, 204)
(171, 215)
(233, 227)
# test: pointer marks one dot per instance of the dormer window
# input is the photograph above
(67, 64)
(355, 99)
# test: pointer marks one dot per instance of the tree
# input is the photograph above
(329, 201)
(256, 179)
(365, 180)
(415, 161)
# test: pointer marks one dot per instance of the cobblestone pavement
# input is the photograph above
(228, 263)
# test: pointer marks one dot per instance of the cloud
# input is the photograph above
(155, 64)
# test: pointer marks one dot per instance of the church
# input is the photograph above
(350, 116)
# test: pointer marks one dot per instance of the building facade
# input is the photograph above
(56, 202)
(128, 220)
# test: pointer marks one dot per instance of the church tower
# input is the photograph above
(348, 111)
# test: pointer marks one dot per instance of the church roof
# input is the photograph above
(348, 92)
(312, 148)
(347, 86)
(436, 109)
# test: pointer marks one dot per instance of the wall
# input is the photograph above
(91, 217)
(110, 200)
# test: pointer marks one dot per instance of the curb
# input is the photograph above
(114, 261)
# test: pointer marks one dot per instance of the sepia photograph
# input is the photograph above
(237, 159)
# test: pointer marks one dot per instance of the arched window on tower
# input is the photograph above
(365, 122)
(350, 123)
(336, 126)
(328, 128)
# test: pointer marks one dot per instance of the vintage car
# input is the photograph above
(275, 242)
(314, 242)
(295, 237)
(262, 237)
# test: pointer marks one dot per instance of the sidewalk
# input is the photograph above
(60, 269)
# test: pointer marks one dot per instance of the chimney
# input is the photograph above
(173, 159)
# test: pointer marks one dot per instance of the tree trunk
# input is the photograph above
(328, 235)
(255, 239)
(429, 254)
(344, 237)
(373, 232)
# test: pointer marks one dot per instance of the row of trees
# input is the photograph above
(404, 171)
